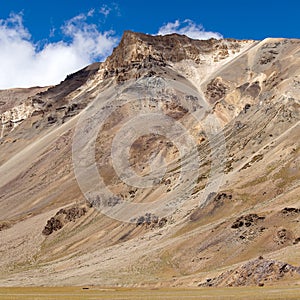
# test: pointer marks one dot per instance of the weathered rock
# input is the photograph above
(255, 272)
(247, 220)
(62, 217)
(216, 90)
(4, 225)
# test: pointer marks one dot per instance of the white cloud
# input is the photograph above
(188, 28)
(24, 64)
(105, 10)
(91, 12)
(113, 7)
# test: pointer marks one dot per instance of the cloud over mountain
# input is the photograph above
(25, 63)
(81, 43)
(188, 28)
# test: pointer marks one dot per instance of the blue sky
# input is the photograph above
(60, 37)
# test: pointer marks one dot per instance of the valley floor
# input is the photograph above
(64, 293)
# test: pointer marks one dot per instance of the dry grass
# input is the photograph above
(47, 293)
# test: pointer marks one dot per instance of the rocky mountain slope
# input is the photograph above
(173, 163)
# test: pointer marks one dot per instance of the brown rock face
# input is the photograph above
(62, 217)
(216, 90)
(257, 272)
(142, 50)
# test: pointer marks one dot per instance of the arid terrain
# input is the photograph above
(174, 163)
(86, 293)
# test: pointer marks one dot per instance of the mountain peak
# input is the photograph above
(136, 48)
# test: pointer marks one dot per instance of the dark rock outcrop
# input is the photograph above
(257, 272)
(247, 221)
(62, 217)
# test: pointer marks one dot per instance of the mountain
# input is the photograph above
(173, 163)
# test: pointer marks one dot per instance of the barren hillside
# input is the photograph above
(173, 163)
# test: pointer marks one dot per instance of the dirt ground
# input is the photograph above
(111, 293)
